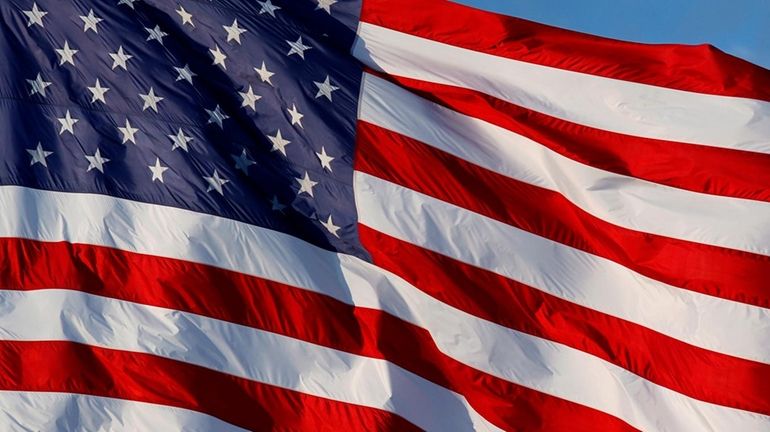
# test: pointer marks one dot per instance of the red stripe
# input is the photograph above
(701, 68)
(684, 368)
(289, 311)
(704, 169)
(726, 273)
(55, 366)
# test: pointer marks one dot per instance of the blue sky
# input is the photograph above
(740, 27)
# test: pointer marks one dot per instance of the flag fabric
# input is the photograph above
(375, 215)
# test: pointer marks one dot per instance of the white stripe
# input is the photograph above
(604, 103)
(234, 349)
(625, 201)
(256, 251)
(55, 412)
(588, 280)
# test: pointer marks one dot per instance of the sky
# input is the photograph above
(740, 27)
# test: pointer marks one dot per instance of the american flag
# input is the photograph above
(375, 215)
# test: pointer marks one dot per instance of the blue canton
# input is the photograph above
(244, 109)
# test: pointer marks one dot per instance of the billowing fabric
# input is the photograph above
(375, 215)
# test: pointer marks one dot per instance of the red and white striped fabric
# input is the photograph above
(593, 216)
(568, 233)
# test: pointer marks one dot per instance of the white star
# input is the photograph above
(215, 182)
(97, 92)
(325, 88)
(129, 133)
(185, 73)
(35, 16)
(90, 21)
(219, 57)
(157, 170)
(329, 225)
(277, 206)
(186, 16)
(296, 116)
(38, 85)
(67, 123)
(305, 184)
(150, 100)
(180, 140)
(325, 5)
(129, 3)
(243, 162)
(234, 32)
(96, 161)
(325, 159)
(279, 144)
(268, 7)
(298, 48)
(120, 58)
(39, 155)
(250, 99)
(264, 74)
(156, 34)
(217, 116)
(66, 55)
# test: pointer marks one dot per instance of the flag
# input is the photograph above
(375, 215)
